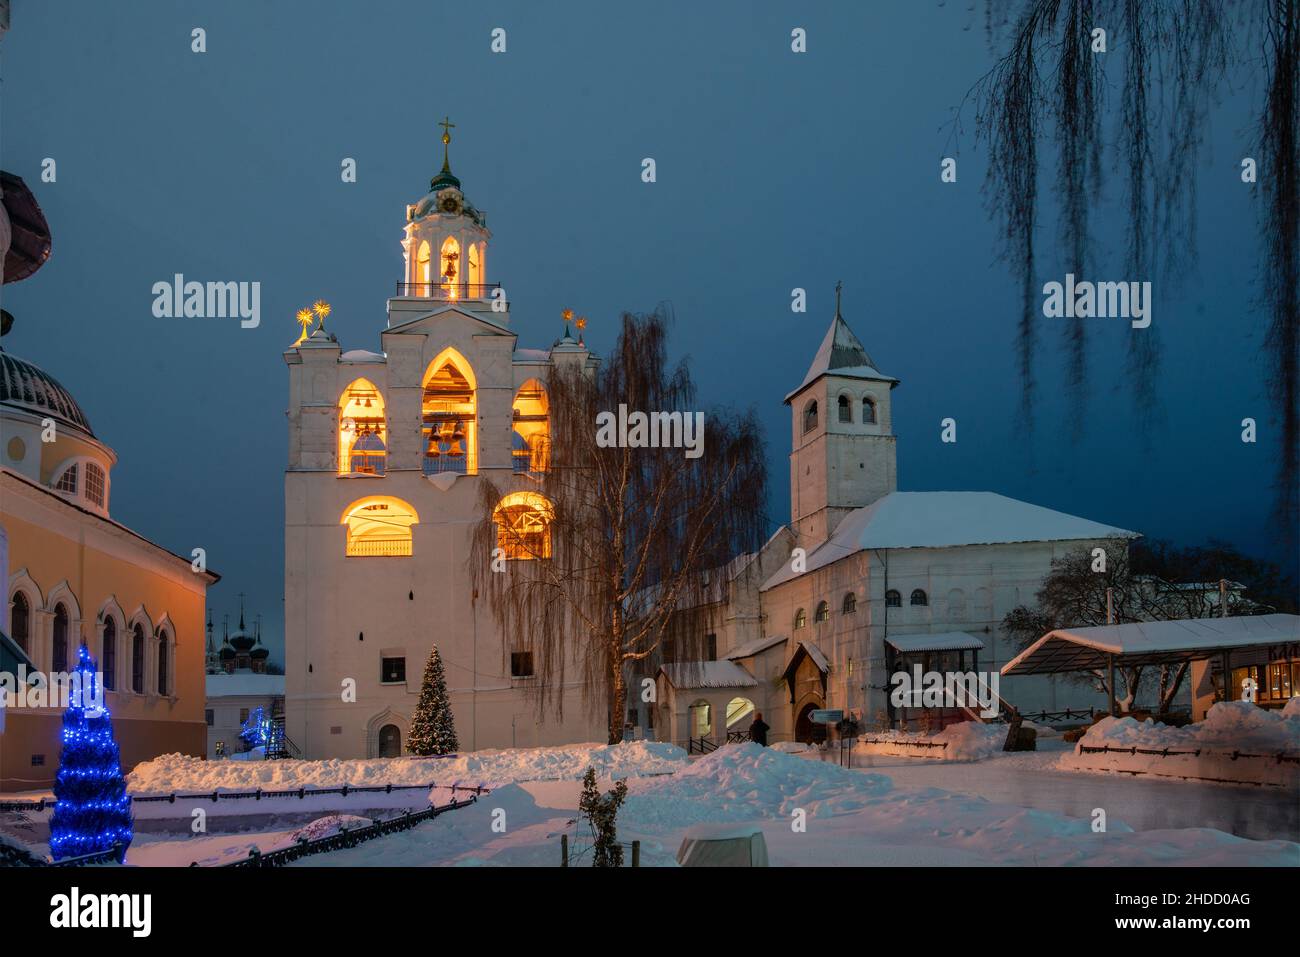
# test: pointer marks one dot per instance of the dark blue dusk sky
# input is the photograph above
(775, 170)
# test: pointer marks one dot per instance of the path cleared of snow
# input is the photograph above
(852, 818)
(183, 774)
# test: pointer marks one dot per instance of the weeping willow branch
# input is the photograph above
(633, 532)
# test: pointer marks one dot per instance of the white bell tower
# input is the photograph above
(843, 453)
(446, 241)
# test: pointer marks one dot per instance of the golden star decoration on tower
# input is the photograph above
(317, 311)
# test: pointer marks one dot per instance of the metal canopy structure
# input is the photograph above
(1150, 643)
(947, 641)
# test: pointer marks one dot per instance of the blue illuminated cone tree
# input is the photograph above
(92, 811)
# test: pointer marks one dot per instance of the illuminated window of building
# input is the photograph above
(449, 268)
(868, 411)
(392, 670)
(95, 484)
(846, 409)
(59, 655)
(476, 280)
(810, 416)
(379, 526)
(531, 444)
(20, 620)
(108, 658)
(850, 603)
(137, 659)
(422, 272)
(363, 434)
(448, 407)
(800, 618)
(523, 521)
(823, 612)
(68, 480)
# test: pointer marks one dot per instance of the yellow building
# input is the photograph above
(75, 575)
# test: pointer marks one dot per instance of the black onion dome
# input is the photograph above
(32, 389)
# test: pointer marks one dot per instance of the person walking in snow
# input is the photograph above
(758, 730)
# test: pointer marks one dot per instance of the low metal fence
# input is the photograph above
(344, 838)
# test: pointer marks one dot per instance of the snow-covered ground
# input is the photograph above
(181, 774)
(852, 818)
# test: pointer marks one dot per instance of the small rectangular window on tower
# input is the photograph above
(393, 670)
(521, 664)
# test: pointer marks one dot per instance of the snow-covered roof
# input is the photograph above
(842, 354)
(1150, 642)
(244, 684)
(361, 355)
(815, 653)
(946, 641)
(750, 648)
(944, 519)
(707, 674)
(532, 355)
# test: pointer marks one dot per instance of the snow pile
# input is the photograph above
(791, 747)
(740, 782)
(965, 741)
(183, 774)
(1238, 742)
(327, 826)
(1229, 726)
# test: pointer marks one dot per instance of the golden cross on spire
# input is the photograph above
(447, 126)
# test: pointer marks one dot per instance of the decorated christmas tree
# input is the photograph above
(433, 728)
(92, 811)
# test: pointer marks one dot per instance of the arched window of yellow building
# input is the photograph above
(20, 618)
(422, 269)
(532, 443)
(450, 267)
(363, 433)
(379, 526)
(523, 521)
(448, 411)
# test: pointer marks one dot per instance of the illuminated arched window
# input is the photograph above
(523, 521)
(532, 444)
(363, 433)
(810, 416)
(850, 604)
(379, 526)
(449, 267)
(823, 612)
(800, 618)
(450, 423)
(423, 273)
(476, 278)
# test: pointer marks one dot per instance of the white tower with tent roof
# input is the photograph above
(842, 445)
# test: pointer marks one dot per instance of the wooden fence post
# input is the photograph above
(564, 850)
(636, 853)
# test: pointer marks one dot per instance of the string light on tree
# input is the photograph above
(92, 811)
